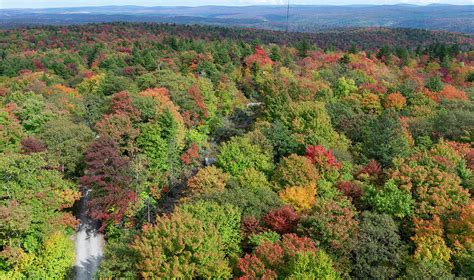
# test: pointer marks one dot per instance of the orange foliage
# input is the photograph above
(208, 180)
(259, 57)
(395, 101)
(449, 92)
(460, 229)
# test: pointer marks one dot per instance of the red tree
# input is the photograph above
(107, 175)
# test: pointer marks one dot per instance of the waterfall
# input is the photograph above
(89, 243)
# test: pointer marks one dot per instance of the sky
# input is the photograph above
(7, 4)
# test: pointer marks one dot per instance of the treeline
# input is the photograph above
(342, 39)
(210, 155)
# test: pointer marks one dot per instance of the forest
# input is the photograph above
(219, 153)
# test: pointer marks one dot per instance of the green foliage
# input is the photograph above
(344, 87)
(311, 124)
(379, 251)
(32, 111)
(312, 265)
(383, 139)
(240, 153)
(251, 202)
(390, 200)
(180, 246)
(266, 236)
(224, 218)
(120, 258)
(66, 143)
(434, 84)
(253, 179)
(294, 171)
(11, 133)
(30, 211)
(425, 270)
(154, 145)
(55, 259)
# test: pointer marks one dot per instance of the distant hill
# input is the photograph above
(302, 17)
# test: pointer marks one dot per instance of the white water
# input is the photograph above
(89, 243)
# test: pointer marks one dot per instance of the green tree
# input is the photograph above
(66, 142)
(224, 218)
(240, 153)
(383, 139)
(180, 246)
(294, 171)
(344, 87)
(312, 265)
(434, 84)
(33, 198)
(379, 251)
(390, 200)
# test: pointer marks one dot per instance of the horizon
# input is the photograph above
(5, 5)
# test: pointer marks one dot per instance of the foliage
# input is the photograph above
(240, 154)
(108, 176)
(294, 170)
(365, 154)
(251, 202)
(208, 180)
(266, 236)
(379, 251)
(66, 143)
(225, 219)
(268, 258)
(282, 220)
(383, 139)
(390, 200)
(180, 246)
(253, 179)
(312, 265)
(301, 198)
(332, 224)
(32, 217)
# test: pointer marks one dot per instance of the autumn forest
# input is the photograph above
(198, 152)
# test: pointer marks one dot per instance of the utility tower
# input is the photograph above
(288, 16)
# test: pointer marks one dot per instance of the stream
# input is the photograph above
(89, 243)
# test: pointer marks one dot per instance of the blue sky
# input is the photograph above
(5, 4)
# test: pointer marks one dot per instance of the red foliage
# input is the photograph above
(282, 220)
(270, 258)
(460, 229)
(250, 225)
(30, 145)
(350, 189)
(24, 72)
(372, 172)
(122, 103)
(271, 254)
(191, 155)
(197, 115)
(252, 269)
(107, 175)
(322, 158)
(128, 71)
(3, 91)
(373, 87)
(259, 57)
(120, 128)
(38, 64)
